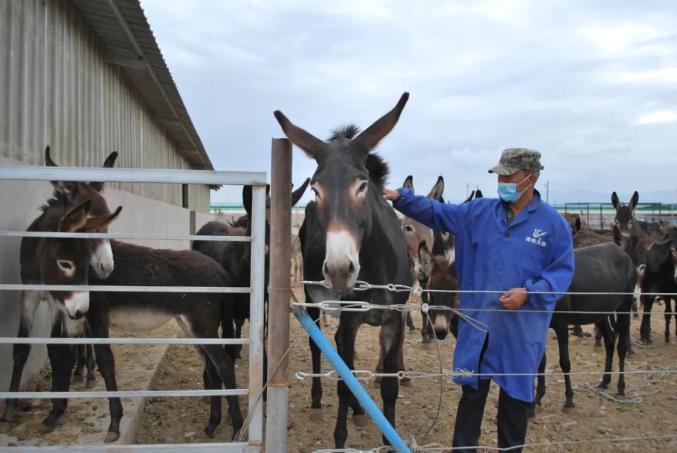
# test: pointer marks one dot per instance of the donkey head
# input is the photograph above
(67, 261)
(625, 214)
(415, 233)
(71, 193)
(348, 184)
(440, 276)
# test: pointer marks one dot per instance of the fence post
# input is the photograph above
(256, 314)
(278, 296)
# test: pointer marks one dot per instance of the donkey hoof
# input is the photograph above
(360, 420)
(621, 392)
(568, 406)
(91, 383)
(405, 381)
(209, 430)
(111, 436)
(46, 428)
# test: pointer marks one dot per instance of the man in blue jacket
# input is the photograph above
(519, 247)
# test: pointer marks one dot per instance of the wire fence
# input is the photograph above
(338, 306)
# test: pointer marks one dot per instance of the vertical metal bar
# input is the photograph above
(278, 296)
(256, 316)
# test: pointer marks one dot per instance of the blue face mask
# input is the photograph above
(507, 191)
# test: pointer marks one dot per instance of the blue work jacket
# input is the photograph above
(534, 252)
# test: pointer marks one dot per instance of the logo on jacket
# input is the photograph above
(537, 236)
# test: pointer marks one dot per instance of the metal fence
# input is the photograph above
(600, 216)
(254, 421)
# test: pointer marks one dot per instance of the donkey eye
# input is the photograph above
(65, 265)
(363, 188)
(409, 229)
(317, 194)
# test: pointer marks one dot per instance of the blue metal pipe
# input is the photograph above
(346, 374)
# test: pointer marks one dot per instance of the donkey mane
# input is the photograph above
(378, 169)
(65, 195)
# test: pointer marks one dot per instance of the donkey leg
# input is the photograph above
(345, 345)
(212, 381)
(105, 360)
(565, 364)
(623, 334)
(608, 336)
(225, 369)
(79, 371)
(668, 314)
(30, 300)
(540, 388)
(391, 332)
(316, 359)
(61, 359)
(645, 327)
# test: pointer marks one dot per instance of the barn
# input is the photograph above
(87, 77)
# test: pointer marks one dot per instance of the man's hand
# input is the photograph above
(514, 298)
(390, 194)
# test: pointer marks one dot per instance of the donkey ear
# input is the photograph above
(437, 190)
(310, 144)
(76, 218)
(298, 193)
(96, 224)
(247, 199)
(469, 199)
(48, 158)
(614, 200)
(108, 163)
(617, 235)
(577, 225)
(409, 183)
(382, 127)
(634, 200)
(479, 194)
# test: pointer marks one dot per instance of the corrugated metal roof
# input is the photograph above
(129, 41)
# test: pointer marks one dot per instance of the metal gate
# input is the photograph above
(254, 420)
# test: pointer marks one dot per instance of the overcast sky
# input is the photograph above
(592, 85)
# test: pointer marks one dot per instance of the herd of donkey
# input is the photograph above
(347, 183)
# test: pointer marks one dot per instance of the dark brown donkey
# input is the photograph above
(198, 314)
(351, 232)
(69, 202)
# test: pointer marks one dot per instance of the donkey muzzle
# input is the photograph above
(342, 263)
(77, 305)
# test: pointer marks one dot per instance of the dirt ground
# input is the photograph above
(650, 411)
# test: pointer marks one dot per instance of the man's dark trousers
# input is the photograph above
(512, 418)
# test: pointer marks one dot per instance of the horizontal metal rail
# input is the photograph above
(123, 394)
(128, 289)
(140, 175)
(216, 447)
(136, 236)
(118, 341)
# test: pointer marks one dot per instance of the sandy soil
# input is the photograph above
(595, 417)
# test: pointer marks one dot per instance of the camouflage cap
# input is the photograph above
(516, 159)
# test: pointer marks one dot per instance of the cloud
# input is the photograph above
(580, 81)
(661, 116)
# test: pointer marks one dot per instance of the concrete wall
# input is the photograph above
(57, 89)
(20, 202)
